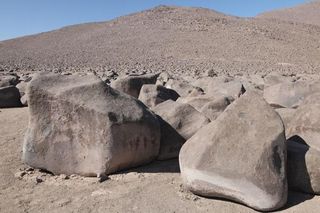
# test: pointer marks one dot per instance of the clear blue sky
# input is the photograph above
(23, 17)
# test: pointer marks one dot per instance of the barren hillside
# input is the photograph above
(175, 39)
(306, 13)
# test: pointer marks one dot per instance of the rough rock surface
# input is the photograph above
(229, 89)
(183, 88)
(9, 97)
(8, 80)
(80, 125)
(171, 141)
(132, 84)
(305, 122)
(303, 168)
(240, 156)
(152, 95)
(182, 117)
(214, 108)
(290, 94)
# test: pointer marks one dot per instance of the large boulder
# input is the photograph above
(303, 167)
(306, 121)
(290, 94)
(274, 79)
(132, 84)
(228, 89)
(80, 125)
(152, 95)
(9, 97)
(241, 156)
(183, 88)
(178, 123)
(182, 117)
(215, 107)
(197, 102)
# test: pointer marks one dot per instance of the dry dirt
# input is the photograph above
(155, 187)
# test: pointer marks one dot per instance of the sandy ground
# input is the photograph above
(153, 188)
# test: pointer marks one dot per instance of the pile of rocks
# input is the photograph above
(242, 138)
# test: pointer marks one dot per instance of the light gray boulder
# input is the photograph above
(196, 102)
(182, 117)
(290, 95)
(275, 78)
(132, 84)
(240, 156)
(80, 125)
(215, 107)
(183, 88)
(9, 97)
(306, 121)
(152, 95)
(229, 89)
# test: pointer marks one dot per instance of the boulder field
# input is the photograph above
(244, 138)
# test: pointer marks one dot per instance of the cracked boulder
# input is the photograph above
(80, 125)
(240, 156)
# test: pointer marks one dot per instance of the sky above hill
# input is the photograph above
(25, 17)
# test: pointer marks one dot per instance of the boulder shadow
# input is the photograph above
(296, 198)
(165, 166)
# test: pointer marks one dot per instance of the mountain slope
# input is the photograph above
(306, 13)
(175, 39)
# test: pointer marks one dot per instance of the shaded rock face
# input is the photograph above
(290, 95)
(9, 97)
(303, 167)
(8, 80)
(182, 117)
(151, 95)
(171, 141)
(132, 84)
(80, 125)
(240, 156)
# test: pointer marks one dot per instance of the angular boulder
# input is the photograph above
(197, 102)
(182, 117)
(241, 156)
(303, 167)
(152, 95)
(214, 108)
(290, 94)
(132, 84)
(183, 88)
(80, 125)
(229, 89)
(9, 97)
(306, 121)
